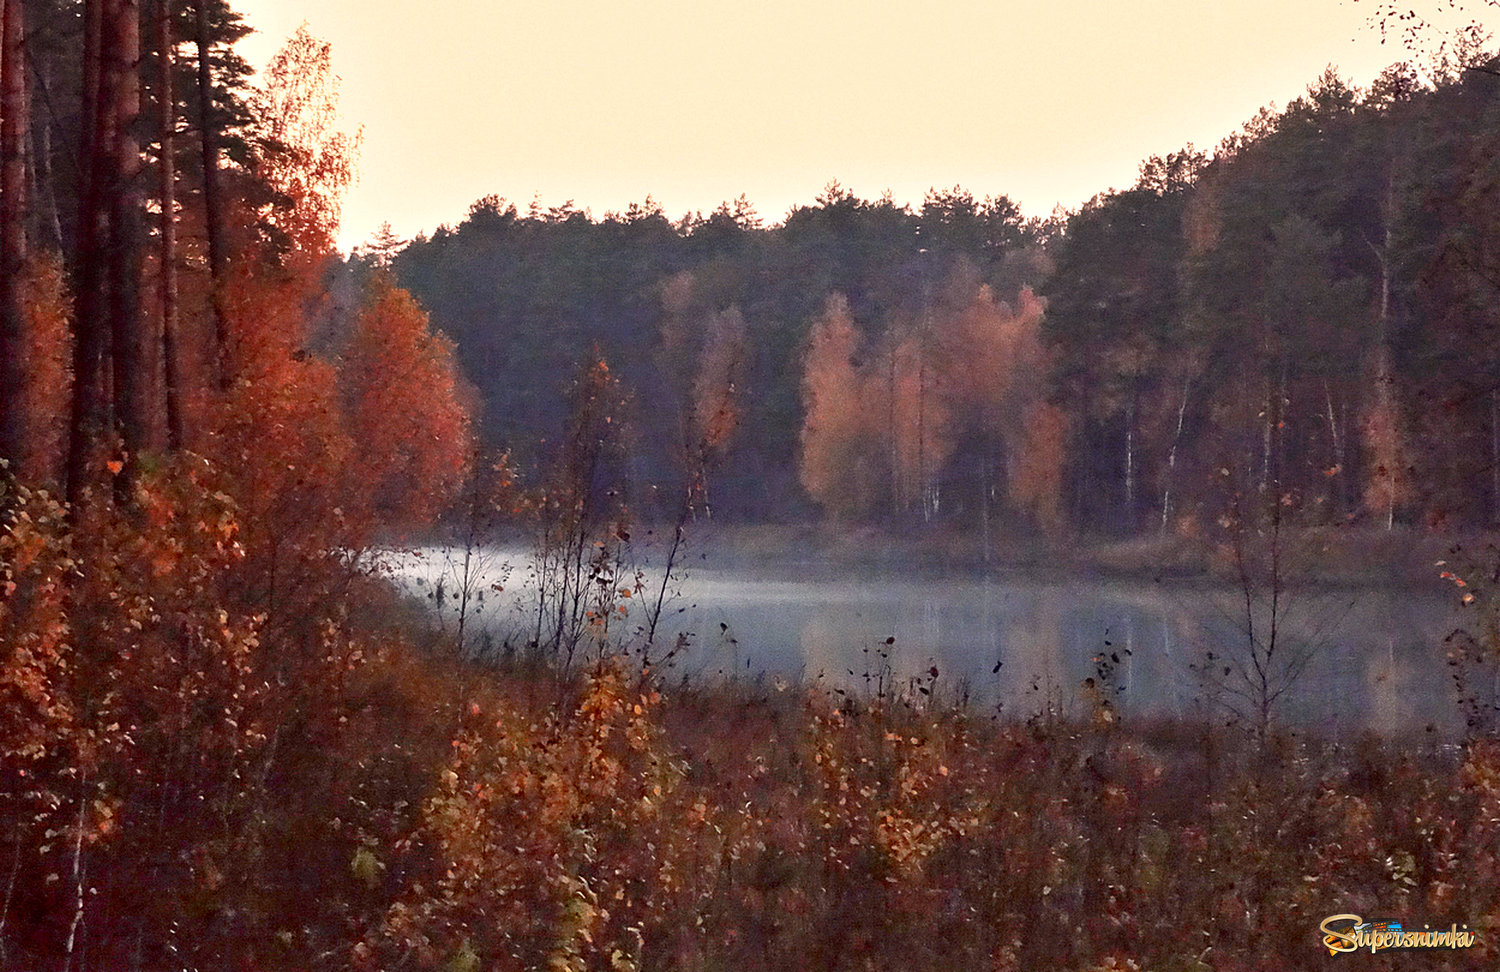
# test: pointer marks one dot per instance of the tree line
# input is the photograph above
(1304, 310)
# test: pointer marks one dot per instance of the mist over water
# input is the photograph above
(1346, 661)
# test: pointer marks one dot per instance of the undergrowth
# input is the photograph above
(192, 777)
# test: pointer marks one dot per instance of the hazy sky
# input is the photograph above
(698, 101)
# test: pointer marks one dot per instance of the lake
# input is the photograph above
(1344, 661)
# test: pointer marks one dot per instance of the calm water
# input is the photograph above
(1344, 662)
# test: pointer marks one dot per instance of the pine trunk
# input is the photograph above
(13, 125)
(91, 322)
(132, 369)
(167, 191)
(213, 205)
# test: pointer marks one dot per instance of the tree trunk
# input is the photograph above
(167, 259)
(45, 198)
(893, 449)
(1336, 438)
(13, 126)
(213, 204)
(1130, 465)
(987, 465)
(131, 348)
(1385, 382)
(91, 324)
(1166, 496)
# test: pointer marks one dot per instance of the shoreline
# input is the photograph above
(1316, 558)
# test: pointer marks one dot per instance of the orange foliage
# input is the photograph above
(1036, 479)
(553, 840)
(49, 351)
(118, 649)
(994, 358)
(328, 454)
(974, 371)
(995, 373)
(280, 426)
(303, 157)
(325, 452)
(36, 713)
(835, 469)
(405, 409)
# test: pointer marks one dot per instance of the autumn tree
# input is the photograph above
(168, 651)
(837, 469)
(1036, 478)
(957, 398)
(304, 158)
(995, 373)
(702, 355)
(912, 418)
(406, 410)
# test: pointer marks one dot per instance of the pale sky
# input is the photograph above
(698, 101)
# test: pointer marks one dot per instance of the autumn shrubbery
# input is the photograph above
(193, 778)
(618, 829)
(166, 733)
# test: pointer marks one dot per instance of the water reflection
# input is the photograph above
(1343, 662)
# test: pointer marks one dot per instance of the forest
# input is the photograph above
(229, 741)
(1308, 303)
